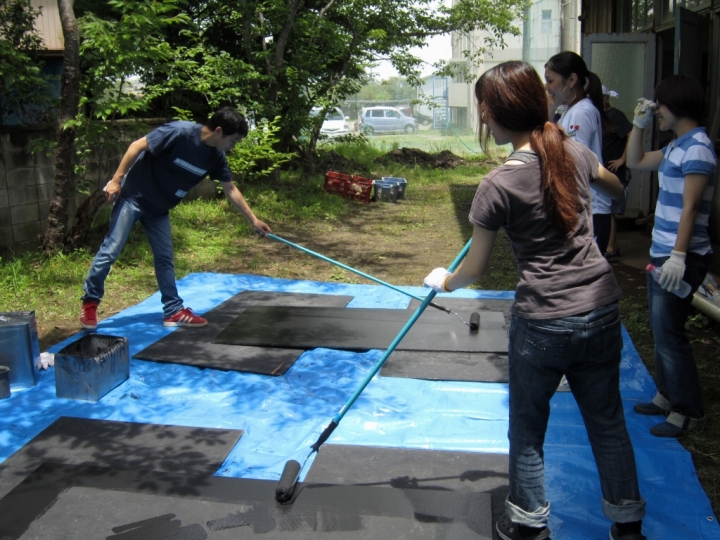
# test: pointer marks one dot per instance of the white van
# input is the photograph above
(335, 123)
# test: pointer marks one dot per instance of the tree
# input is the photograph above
(391, 89)
(69, 99)
(296, 54)
(23, 88)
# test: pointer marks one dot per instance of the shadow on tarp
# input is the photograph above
(283, 416)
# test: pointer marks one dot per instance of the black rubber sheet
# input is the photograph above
(454, 366)
(87, 503)
(461, 472)
(363, 329)
(194, 346)
(121, 445)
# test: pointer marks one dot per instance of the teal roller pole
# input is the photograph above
(285, 488)
(356, 271)
(397, 339)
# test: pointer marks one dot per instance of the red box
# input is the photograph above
(359, 189)
(336, 182)
(350, 187)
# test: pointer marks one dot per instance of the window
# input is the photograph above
(376, 113)
(642, 14)
(546, 21)
(392, 114)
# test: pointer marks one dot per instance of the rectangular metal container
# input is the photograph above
(90, 367)
(19, 347)
(401, 184)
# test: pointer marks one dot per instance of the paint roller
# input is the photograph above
(371, 278)
(285, 487)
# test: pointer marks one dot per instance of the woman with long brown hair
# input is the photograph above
(565, 318)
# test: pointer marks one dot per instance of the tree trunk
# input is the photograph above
(85, 215)
(69, 101)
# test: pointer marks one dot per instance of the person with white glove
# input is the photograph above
(644, 113)
(680, 243)
(672, 271)
(436, 280)
(565, 300)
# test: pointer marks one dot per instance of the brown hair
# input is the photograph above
(514, 96)
(565, 64)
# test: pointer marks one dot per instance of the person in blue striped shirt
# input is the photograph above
(680, 243)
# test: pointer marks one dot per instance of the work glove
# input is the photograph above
(644, 112)
(672, 271)
(436, 279)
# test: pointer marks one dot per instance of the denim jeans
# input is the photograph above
(676, 372)
(586, 349)
(124, 215)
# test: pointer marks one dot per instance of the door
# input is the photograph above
(688, 58)
(626, 63)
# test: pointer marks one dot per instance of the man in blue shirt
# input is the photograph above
(154, 175)
(680, 243)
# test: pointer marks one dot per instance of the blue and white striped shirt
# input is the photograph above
(690, 154)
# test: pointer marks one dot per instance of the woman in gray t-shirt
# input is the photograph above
(565, 319)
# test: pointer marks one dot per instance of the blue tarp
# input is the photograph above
(283, 416)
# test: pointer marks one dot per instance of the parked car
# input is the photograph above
(386, 119)
(335, 123)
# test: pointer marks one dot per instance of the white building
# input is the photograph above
(550, 26)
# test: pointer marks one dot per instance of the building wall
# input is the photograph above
(540, 38)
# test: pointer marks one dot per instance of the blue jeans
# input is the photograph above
(675, 369)
(124, 215)
(586, 349)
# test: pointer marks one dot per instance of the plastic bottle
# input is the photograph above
(682, 290)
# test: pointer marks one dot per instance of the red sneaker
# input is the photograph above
(184, 317)
(88, 316)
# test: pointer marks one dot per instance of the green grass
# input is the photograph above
(462, 143)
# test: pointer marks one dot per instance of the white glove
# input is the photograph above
(436, 279)
(644, 112)
(45, 360)
(672, 271)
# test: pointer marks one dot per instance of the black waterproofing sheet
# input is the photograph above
(87, 503)
(194, 346)
(191, 451)
(463, 472)
(454, 366)
(362, 329)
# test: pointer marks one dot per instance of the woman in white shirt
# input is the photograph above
(569, 83)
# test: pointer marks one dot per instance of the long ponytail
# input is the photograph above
(515, 98)
(560, 189)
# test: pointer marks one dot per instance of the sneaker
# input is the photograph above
(184, 317)
(88, 316)
(612, 255)
(659, 405)
(632, 536)
(649, 409)
(511, 531)
(676, 425)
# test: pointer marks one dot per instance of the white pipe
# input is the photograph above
(706, 306)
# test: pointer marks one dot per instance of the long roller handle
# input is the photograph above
(286, 486)
(354, 270)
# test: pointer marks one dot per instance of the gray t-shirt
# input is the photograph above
(560, 275)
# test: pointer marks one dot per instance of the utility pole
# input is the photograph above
(570, 25)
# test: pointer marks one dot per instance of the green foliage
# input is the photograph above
(24, 90)
(116, 55)
(390, 90)
(255, 156)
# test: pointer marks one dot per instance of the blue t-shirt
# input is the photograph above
(690, 154)
(176, 161)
